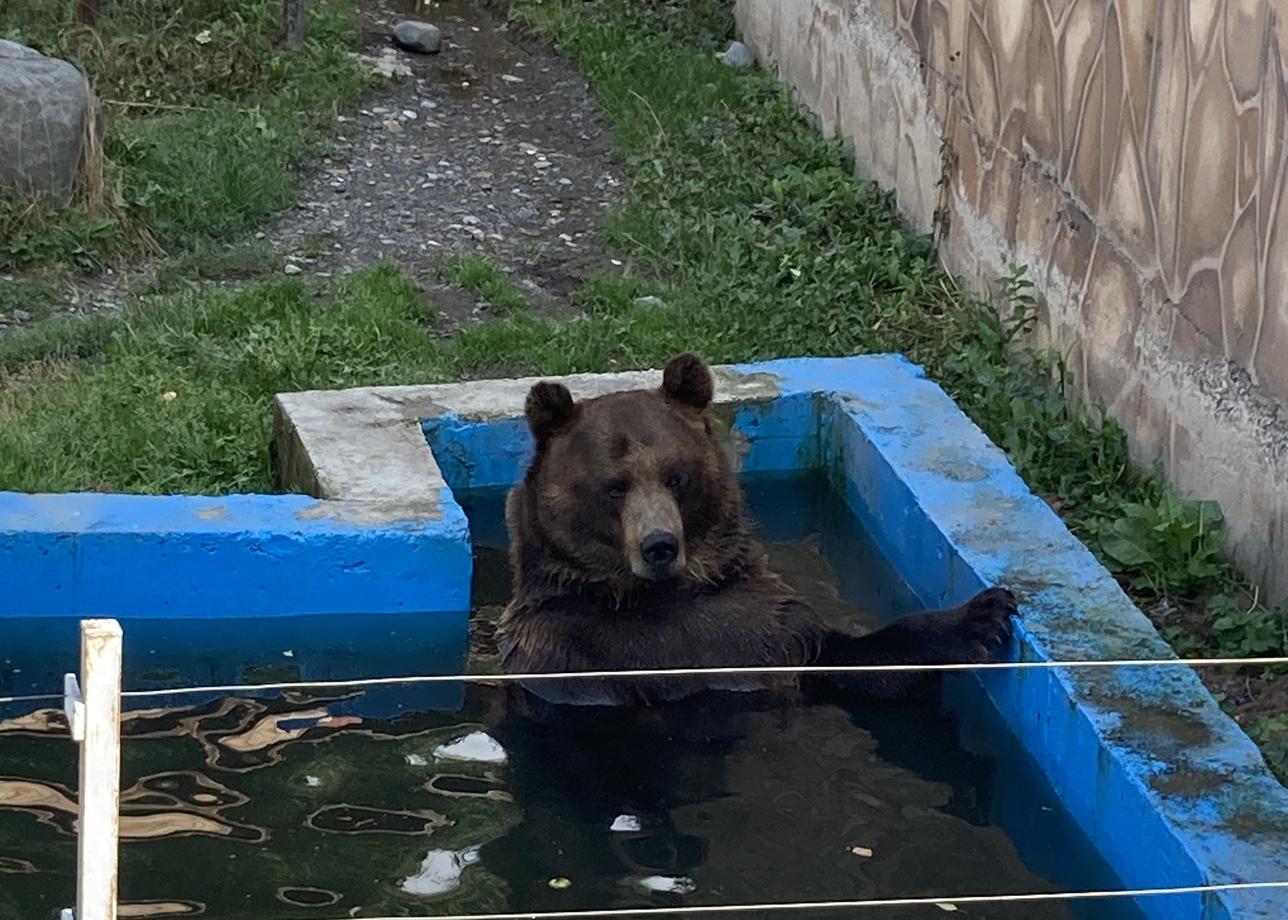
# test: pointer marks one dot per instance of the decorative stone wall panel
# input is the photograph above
(1133, 154)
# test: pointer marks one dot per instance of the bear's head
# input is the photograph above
(626, 490)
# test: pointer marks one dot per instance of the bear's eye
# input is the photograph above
(675, 481)
(617, 488)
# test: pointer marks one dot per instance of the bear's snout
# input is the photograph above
(659, 550)
(652, 532)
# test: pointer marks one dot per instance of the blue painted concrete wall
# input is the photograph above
(205, 587)
(1154, 773)
(186, 557)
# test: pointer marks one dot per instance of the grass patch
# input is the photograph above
(25, 299)
(206, 120)
(484, 277)
(238, 262)
(177, 397)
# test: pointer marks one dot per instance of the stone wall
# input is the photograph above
(1131, 153)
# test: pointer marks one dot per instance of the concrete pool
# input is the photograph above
(1167, 790)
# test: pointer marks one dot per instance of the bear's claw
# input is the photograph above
(985, 622)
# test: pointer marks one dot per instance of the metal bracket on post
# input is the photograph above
(74, 708)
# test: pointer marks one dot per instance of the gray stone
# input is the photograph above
(21, 315)
(46, 109)
(416, 36)
(738, 55)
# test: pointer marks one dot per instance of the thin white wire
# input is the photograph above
(1263, 661)
(787, 906)
(36, 698)
(710, 672)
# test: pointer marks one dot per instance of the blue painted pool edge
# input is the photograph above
(190, 557)
(1164, 784)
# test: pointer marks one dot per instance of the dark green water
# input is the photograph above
(246, 808)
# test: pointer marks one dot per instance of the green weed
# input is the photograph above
(237, 262)
(484, 277)
(1168, 546)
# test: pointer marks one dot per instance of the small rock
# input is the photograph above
(668, 883)
(21, 315)
(291, 268)
(625, 824)
(738, 55)
(511, 78)
(420, 37)
(386, 65)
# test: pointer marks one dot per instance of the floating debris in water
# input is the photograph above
(861, 851)
(679, 884)
(479, 747)
(625, 823)
(440, 871)
(312, 781)
(560, 884)
(415, 760)
(951, 908)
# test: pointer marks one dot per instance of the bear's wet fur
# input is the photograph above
(630, 550)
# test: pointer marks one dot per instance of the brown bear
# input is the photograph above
(630, 549)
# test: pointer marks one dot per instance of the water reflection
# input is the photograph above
(388, 803)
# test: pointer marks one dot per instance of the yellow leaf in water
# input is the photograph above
(559, 884)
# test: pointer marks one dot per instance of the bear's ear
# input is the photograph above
(687, 380)
(549, 409)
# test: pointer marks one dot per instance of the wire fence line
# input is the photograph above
(947, 903)
(629, 673)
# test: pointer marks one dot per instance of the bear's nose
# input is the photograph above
(659, 549)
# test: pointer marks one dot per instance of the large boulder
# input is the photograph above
(46, 111)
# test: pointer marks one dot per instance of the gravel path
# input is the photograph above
(493, 146)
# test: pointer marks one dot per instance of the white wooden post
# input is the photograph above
(94, 714)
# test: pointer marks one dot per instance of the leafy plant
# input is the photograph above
(1247, 629)
(1167, 546)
